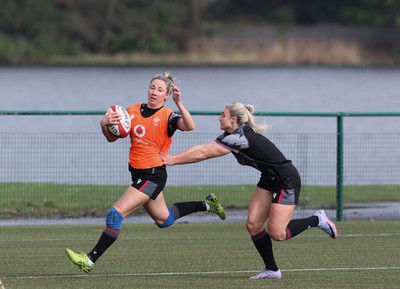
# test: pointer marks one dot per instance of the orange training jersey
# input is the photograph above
(149, 137)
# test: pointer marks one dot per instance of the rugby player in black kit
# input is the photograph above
(277, 192)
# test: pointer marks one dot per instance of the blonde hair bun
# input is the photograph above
(250, 108)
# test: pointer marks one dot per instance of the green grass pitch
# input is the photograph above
(200, 255)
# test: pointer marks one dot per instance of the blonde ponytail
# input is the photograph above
(244, 114)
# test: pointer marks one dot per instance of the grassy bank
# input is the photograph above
(292, 54)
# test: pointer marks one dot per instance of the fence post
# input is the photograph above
(339, 168)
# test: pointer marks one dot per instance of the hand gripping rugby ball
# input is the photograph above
(123, 128)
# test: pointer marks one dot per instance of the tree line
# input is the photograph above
(35, 29)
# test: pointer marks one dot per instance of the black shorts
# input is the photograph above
(285, 192)
(149, 181)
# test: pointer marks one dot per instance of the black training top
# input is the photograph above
(255, 150)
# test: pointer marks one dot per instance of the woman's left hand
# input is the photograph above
(176, 93)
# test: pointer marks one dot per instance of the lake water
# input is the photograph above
(205, 89)
(305, 89)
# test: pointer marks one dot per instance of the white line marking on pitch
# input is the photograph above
(199, 238)
(197, 273)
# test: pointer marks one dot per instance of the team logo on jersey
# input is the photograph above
(139, 130)
(156, 121)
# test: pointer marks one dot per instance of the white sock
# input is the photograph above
(90, 262)
(208, 207)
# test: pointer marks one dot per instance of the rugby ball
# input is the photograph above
(123, 128)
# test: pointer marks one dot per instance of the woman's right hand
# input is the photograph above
(111, 117)
(168, 160)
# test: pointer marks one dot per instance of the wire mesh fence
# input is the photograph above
(64, 176)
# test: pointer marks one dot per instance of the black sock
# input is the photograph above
(102, 245)
(263, 243)
(182, 209)
(297, 226)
